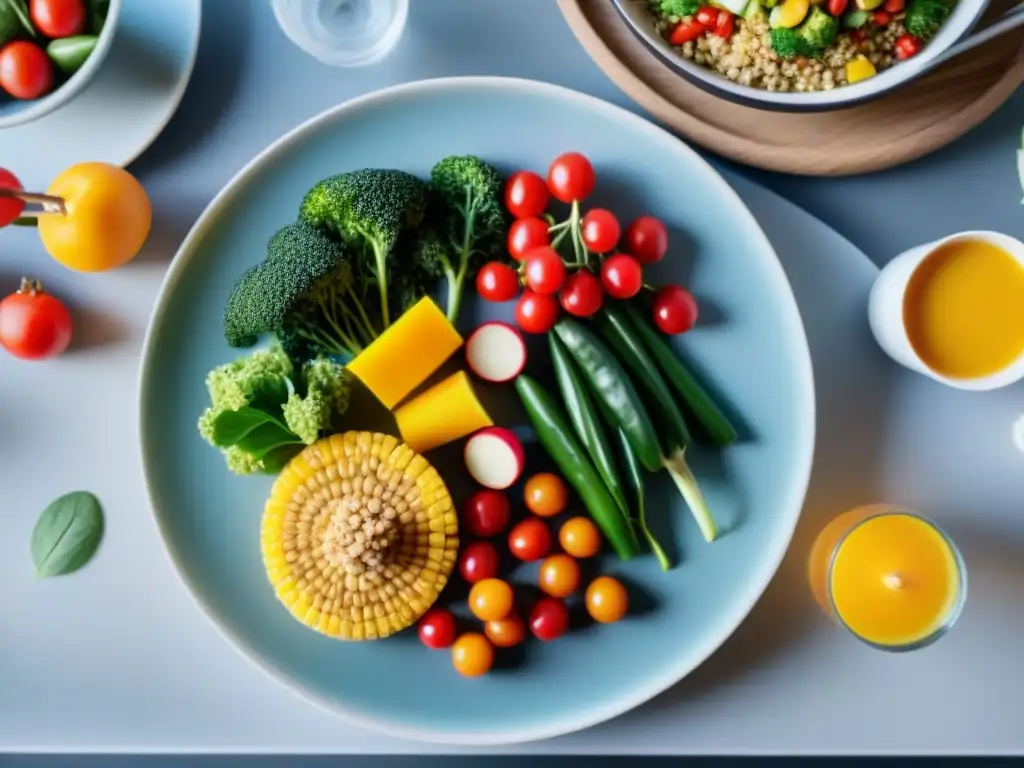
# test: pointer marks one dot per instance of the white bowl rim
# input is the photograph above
(796, 493)
(74, 84)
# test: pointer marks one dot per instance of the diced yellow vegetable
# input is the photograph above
(859, 69)
(445, 412)
(789, 14)
(405, 355)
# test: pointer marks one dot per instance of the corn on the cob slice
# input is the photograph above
(359, 536)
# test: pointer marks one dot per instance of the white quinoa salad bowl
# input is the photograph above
(801, 55)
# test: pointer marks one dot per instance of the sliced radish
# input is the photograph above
(496, 352)
(494, 457)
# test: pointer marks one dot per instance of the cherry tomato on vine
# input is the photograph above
(25, 70)
(545, 270)
(437, 628)
(549, 619)
(675, 310)
(33, 324)
(478, 562)
(601, 230)
(536, 312)
(582, 294)
(530, 539)
(58, 18)
(647, 239)
(486, 513)
(526, 194)
(621, 276)
(571, 177)
(526, 234)
(494, 282)
(10, 207)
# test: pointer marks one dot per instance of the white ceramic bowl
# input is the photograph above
(14, 112)
(965, 15)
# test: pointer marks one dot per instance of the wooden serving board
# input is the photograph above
(902, 126)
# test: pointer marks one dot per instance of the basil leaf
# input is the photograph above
(69, 53)
(264, 438)
(274, 461)
(98, 14)
(18, 9)
(67, 534)
(231, 426)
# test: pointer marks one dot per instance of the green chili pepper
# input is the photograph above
(635, 478)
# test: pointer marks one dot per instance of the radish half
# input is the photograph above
(494, 457)
(496, 352)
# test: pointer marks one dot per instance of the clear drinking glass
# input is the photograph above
(343, 33)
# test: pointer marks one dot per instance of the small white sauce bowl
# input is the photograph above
(885, 311)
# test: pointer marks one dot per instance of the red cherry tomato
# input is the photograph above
(549, 619)
(571, 177)
(526, 234)
(647, 240)
(536, 312)
(545, 270)
(437, 628)
(486, 513)
(675, 310)
(526, 194)
(622, 276)
(33, 324)
(58, 18)
(707, 15)
(582, 294)
(25, 70)
(10, 207)
(530, 539)
(907, 46)
(687, 31)
(497, 282)
(881, 18)
(894, 6)
(600, 230)
(479, 561)
(724, 25)
(837, 7)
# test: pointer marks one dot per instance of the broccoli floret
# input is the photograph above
(327, 396)
(818, 30)
(472, 222)
(788, 43)
(924, 17)
(675, 9)
(258, 375)
(368, 210)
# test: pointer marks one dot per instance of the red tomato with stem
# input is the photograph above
(622, 276)
(687, 31)
(437, 628)
(26, 72)
(600, 230)
(478, 562)
(530, 539)
(545, 270)
(571, 177)
(58, 18)
(647, 239)
(675, 310)
(549, 619)
(10, 207)
(907, 46)
(581, 294)
(486, 513)
(494, 282)
(526, 194)
(536, 312)
(33, 324)
(526, 234)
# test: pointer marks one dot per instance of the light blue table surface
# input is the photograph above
(250, 85)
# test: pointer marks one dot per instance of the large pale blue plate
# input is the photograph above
(751, 342)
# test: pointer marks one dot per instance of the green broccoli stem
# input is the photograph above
(367, 329)
(457, 278)
(381, 258)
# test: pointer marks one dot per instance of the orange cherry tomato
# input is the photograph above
(530, 540)
(472, 655)
(546, 494)
(491, 599)
(507, 632)
(607, 600)
(559, 575)
(579, 537)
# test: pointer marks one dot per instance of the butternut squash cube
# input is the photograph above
(445, 412)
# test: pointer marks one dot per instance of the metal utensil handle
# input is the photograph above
(1012, 19)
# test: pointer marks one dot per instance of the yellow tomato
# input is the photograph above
(106, 219)
(507, 632)
(579, 537)
(607, 600)
(545, 494)
(559, 576)
(491, 599)
(472, 655)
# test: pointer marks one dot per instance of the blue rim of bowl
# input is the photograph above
(796, 493)
(78, 81)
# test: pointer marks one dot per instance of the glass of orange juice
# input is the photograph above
(892, 578)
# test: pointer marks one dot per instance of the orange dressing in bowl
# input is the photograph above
(964, 309)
